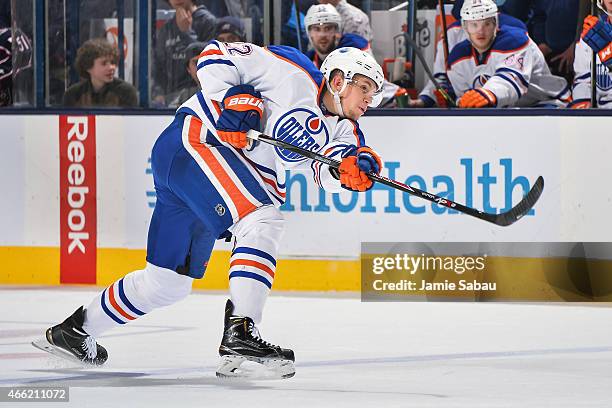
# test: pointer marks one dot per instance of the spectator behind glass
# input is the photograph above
(96, 63)
(289, 28)
(192, 52)
(244, 9)
(230, 29)
(191, 23)
(354, 21)
(552, 25)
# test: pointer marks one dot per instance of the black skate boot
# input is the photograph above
(69, 340)
(241, 342)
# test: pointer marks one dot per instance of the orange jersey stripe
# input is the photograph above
(111, 297)
(258, 265)
(243, 205)
(217, 106)
(210, 52)
(356, 135)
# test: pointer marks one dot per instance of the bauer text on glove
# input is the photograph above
(242, 111)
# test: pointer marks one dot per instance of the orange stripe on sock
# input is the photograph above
(258, 265)
(111, 297)
(243, 205)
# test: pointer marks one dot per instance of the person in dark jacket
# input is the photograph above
(96, 63)
(190, 23)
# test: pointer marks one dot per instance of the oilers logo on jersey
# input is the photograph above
(480, 80)
(604, 80)
(303, 128)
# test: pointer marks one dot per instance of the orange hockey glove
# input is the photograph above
(477, 98)
(354, 167)
(580, 105)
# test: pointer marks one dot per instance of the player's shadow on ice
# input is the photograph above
(75, 377)
(81, 379)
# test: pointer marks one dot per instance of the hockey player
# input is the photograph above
(455, 34)
(209, 180)
(596, 37)
(500, 67)
(324, 26)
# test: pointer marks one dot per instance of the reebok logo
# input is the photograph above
(78, 215)
(76, 191)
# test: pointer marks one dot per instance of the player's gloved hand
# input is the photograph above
(580, 105)
(477, 98)
(598, 35)
(242, 110)
(355, 164)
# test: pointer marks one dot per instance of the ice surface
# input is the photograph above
(348, 354)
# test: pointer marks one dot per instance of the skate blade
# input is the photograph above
(44, 345)
(240, 367)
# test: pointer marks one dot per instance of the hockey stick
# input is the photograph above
(593, 66)
(419, 54)
(502, 219)
(444, 31)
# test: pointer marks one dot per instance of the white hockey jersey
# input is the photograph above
(581, 88)
(291, 87)
(514, 69)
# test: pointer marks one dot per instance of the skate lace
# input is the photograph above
(90, 347)
(257, 336)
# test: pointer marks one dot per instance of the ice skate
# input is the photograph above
(244, 354)
(68, 340)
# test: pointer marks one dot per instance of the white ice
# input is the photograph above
(348, 354)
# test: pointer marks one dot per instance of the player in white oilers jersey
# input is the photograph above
(596, 37)
(324, 27)
(209, 180)
(455, 33)
(323, 24)
(500, 67)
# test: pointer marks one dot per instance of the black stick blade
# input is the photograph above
(519, 210)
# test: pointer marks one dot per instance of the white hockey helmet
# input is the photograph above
(602, 6)
(322, 14)
(478, 10)
(353, 61)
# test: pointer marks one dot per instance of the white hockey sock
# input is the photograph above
(134, 295)
(253, 261)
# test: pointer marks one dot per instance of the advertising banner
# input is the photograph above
(78, 211)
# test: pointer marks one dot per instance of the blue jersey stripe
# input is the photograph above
(205, 108)
(515, 86)
(360, 135)
(518, 75)
(585, 76)
(215, 61)
(187, 111)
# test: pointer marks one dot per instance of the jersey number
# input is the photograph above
(241, 49)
